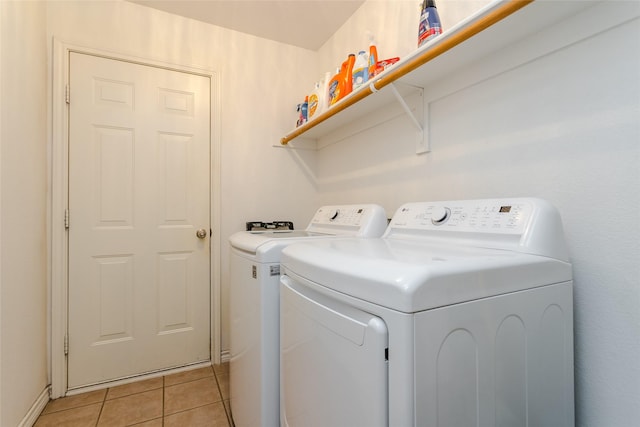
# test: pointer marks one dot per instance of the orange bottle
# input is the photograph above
(347, 74)
(334, 89)
(342, 83)
(373, 60)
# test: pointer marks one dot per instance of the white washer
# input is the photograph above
(460, 315)
(254, 305)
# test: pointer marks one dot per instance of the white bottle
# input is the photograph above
(360, 70)
(327, 96)
(316, 100)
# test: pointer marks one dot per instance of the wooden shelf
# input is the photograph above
(336, 116)
(492, 28)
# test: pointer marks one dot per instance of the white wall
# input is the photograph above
(555, 116)
(260, 80)
(23, 282)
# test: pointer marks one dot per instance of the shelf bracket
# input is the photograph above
(422, 143)
(299, 144)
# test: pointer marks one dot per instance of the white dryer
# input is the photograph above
(254, 304)
(460, 315)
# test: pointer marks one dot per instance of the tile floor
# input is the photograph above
(195, 398)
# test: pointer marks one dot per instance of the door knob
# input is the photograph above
(201, 234)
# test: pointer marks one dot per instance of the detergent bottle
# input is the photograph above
(316, 100)
(325, 90)
(304, 111)
(429, 22)
(373, 57)
(334, 88)
(360, 70)
(347, 74)
(342, 83)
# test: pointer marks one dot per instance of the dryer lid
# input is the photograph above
(412, 276)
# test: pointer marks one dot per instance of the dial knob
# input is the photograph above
(333, 214)
(439, 215)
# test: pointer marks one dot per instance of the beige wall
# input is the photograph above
(23, 167)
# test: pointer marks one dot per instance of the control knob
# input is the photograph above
(333, 214)
(440, 215)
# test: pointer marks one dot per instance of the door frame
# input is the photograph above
(58, 256)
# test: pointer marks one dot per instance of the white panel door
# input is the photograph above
(139, 188)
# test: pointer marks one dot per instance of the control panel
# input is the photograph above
(527, 225)
(339, 215)
(365, 219)
(495, 216)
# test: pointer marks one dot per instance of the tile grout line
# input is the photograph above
(164, 385)
(219, 388)
(163, 390)
(104, 399)
(215, 378)
(227, 413)
(217, 384)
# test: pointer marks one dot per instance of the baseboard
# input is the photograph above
(225, 356)
(136, 378)
(36, 409)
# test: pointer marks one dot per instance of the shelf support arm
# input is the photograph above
(406, 108)
(422, 143)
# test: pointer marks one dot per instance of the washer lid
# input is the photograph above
(361, 220)
(412, 276)
(267, 246)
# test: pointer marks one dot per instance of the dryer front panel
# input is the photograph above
(333, 361)
(502, 361)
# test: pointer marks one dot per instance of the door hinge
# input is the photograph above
(67, 94)
(66, 219)
(66, 345)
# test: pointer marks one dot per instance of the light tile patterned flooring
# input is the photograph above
(195, 398)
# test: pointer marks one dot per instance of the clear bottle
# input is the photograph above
(430, 25)
(360, 70)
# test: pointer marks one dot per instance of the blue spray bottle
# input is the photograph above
(429, 22)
